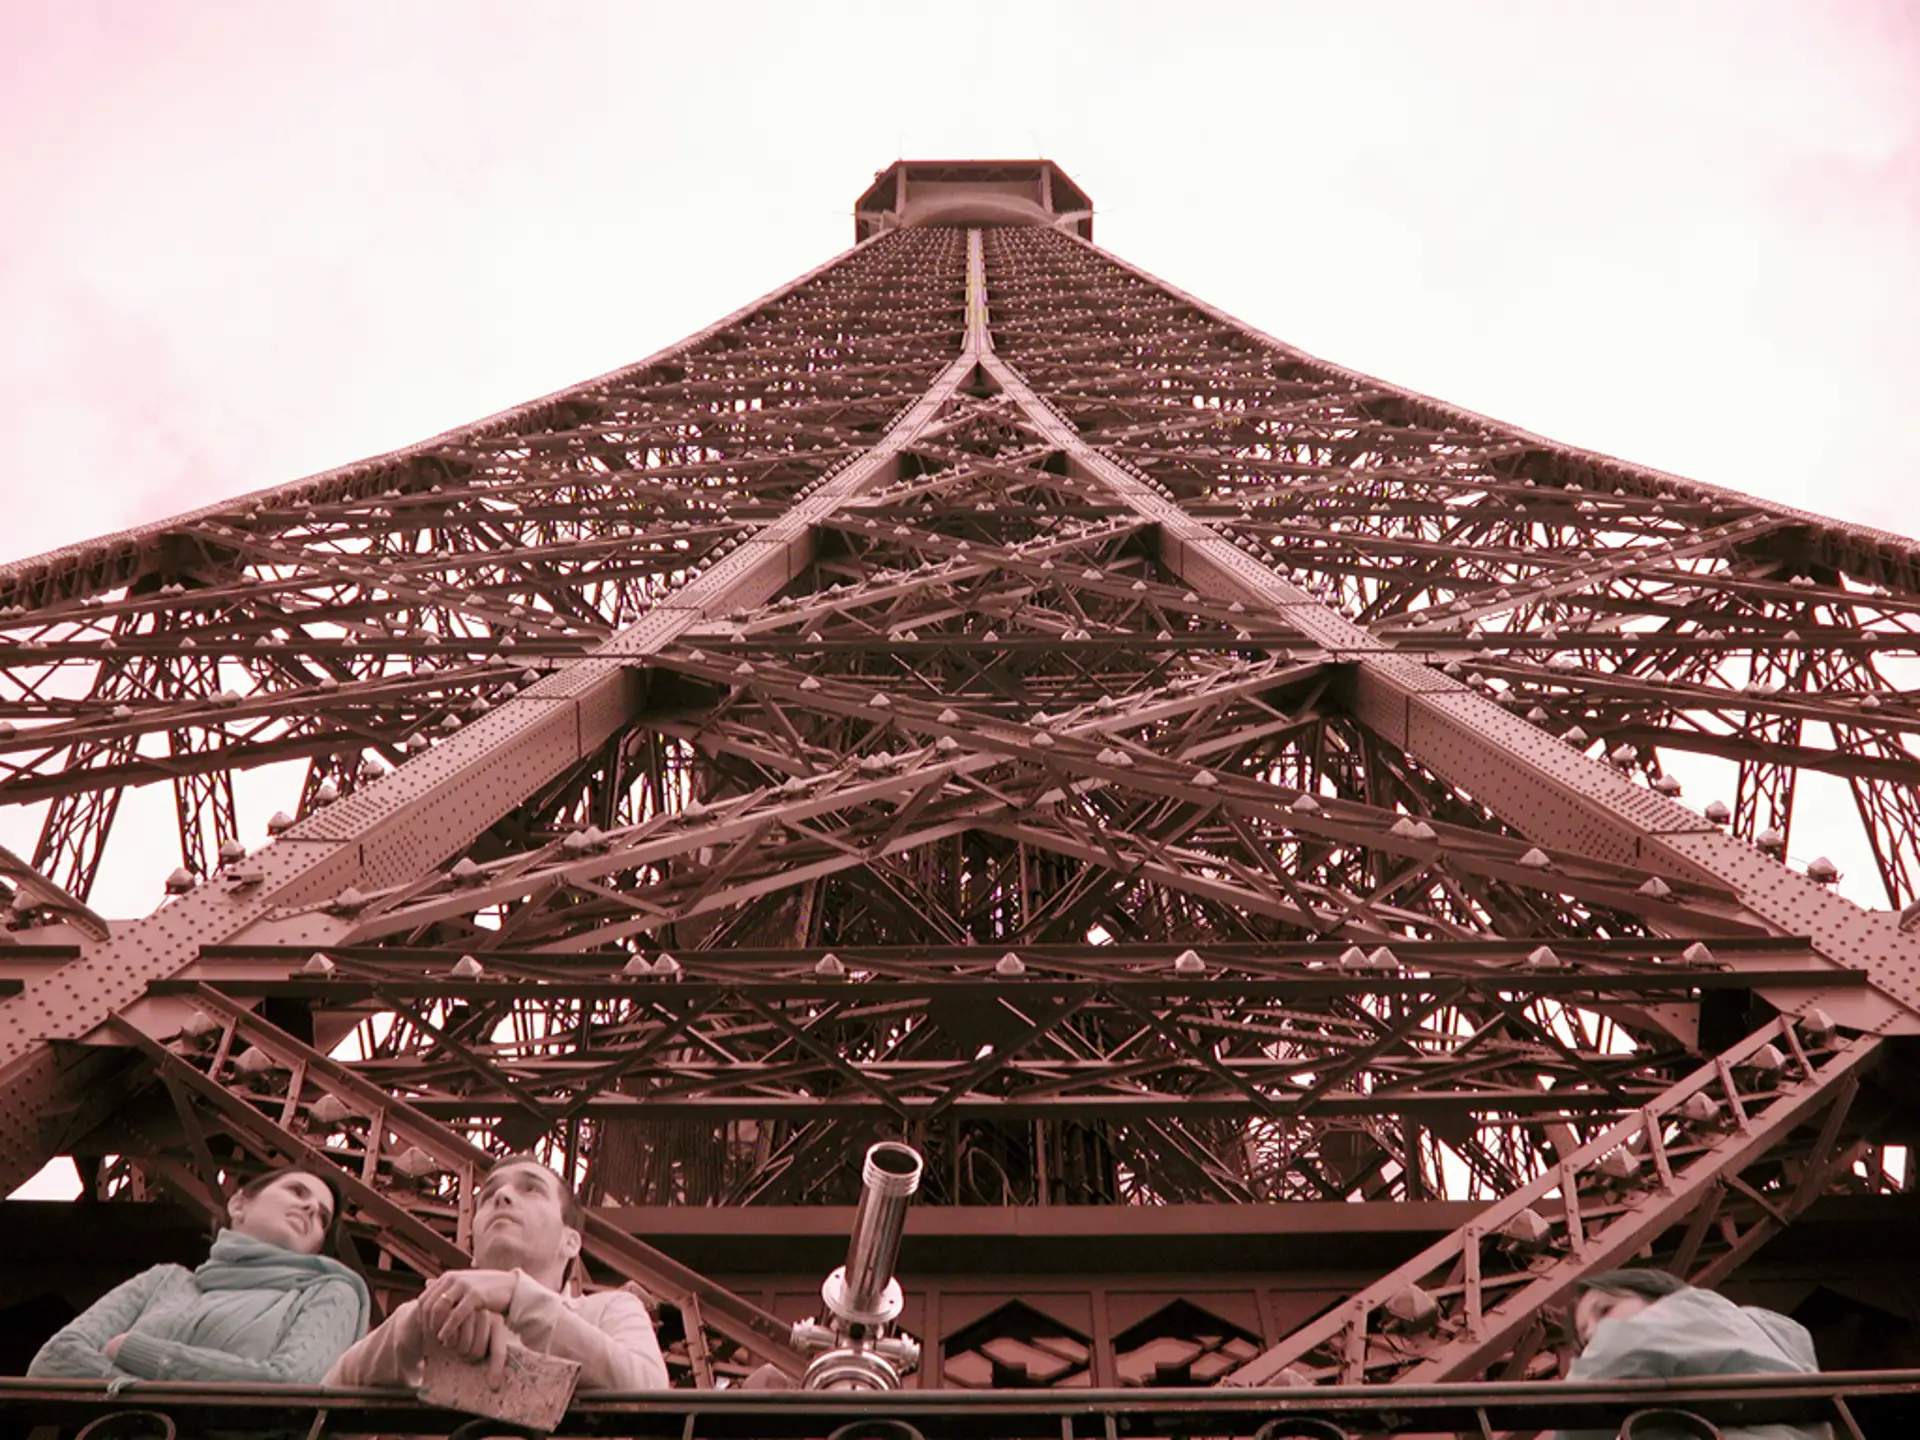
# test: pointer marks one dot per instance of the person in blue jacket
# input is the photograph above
(266, 1306)
(1647, 1324)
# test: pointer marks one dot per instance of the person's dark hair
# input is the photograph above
(1650, 1284)
(572, 1214)
(335, 1242)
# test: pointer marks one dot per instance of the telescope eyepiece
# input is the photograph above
(891, 1170)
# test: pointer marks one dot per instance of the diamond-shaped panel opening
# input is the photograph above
(1017, 1348)
(1181, 1344)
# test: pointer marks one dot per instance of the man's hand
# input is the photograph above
(498, 1338)
(458, 1306)
(112, 1348)
(483, 1336)
(466, 1336)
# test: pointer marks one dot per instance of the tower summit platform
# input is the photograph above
(911, 193)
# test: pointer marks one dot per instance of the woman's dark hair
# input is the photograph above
(335, 1242)
(1650, 1284)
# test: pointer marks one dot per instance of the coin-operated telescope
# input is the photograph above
(853, 1349)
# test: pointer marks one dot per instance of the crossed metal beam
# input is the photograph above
(954, 467)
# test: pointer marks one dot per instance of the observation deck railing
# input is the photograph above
(1859, 1405)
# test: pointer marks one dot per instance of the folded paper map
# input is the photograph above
(535, 1393)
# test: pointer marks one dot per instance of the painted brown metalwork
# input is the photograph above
(981, 696)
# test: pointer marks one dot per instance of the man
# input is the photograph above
(1645, 1324)
(526, 1237)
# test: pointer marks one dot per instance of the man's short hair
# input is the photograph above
(572, 1214)
(1649, 1284)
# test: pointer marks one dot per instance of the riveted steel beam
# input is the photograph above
(117, 558)
(1540, 786)
(425, 810)
(398, 1143)
(1620, 1192)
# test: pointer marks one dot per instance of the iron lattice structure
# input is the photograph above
(982, 695)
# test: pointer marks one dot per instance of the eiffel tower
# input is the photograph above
(1224, 809)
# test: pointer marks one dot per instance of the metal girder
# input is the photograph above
(92, 565)
(1616, 1196)
(33, 891)
(1084, 621)
(391, 1224)
(1078, 759)
(1764, 791)
(1898, 553)
(423, 811)
(1543, 788)
(382, 1143)
(1291, 1040)
(1305, 1041)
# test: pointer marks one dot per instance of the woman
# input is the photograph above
(266, 1306)
(1647, 1324)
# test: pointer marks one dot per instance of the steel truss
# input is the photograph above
(982, 695)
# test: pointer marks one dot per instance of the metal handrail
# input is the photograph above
(1885, 1402)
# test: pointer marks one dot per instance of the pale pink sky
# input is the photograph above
(247, 242)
